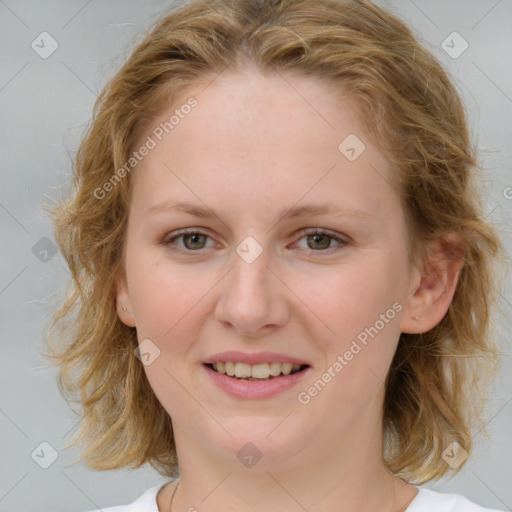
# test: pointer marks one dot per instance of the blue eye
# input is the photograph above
(194, 240)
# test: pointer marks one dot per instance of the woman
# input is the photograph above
(282, 272)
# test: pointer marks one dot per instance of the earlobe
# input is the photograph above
(430, 300)
(123, 302)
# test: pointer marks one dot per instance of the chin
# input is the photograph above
(257, 443)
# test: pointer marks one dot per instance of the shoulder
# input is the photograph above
(145, 503)
(427, 500)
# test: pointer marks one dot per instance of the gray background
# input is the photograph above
(45, 106)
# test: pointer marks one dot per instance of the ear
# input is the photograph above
(123, 301)
(435, 286)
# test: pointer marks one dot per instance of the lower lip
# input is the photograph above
(252, 389)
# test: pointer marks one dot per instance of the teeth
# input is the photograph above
(287, 368)
(275, 369)
(260, 371)
(257, 371)
(229, 368)
(243, 370)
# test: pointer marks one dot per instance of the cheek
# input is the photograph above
(166, 300)
(347, 299)
(163, 296)
(358, 312)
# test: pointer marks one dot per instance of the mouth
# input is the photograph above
(257, 372)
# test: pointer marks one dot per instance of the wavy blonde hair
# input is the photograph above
(438, 381)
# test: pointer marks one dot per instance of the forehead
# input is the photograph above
(269, 136)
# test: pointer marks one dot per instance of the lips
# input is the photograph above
(260, 384)
(255, 389)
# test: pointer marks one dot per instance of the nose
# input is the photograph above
(252, 299)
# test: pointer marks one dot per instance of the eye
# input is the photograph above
(192, 240)
(319, 239)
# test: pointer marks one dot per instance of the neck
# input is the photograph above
(400, 496)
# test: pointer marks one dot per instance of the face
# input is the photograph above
(251, 279)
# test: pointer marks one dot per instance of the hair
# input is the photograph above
(437, 385)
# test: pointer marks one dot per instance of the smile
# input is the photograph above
(247, 387)
(263, 371)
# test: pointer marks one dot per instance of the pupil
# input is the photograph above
(319, 238)
(194, 238)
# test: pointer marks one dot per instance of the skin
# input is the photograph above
(252, 147)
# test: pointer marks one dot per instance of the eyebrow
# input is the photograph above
(287, 213)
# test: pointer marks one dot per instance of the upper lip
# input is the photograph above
(254, 358)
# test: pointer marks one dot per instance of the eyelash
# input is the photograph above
(168, 242)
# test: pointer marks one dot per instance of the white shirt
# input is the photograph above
(425, 501)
